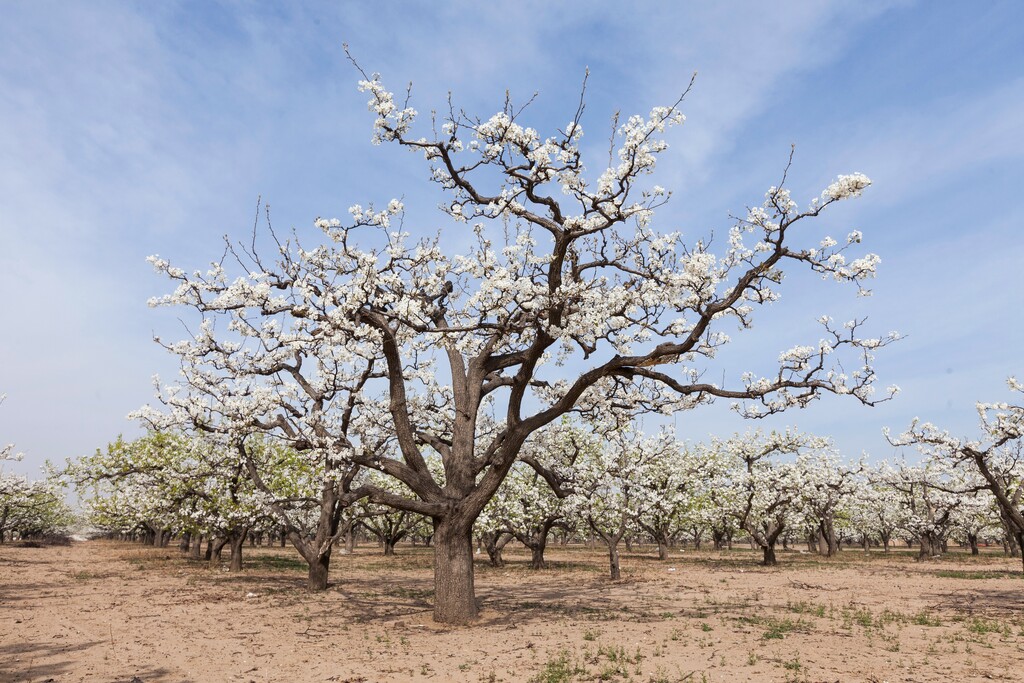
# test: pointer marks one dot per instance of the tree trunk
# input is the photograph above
(538, 543)
(537, 554)
(454, 594)
(662, 548)
(389, 546)
(237, 542)
(318, 571)
(613, 560)
(350, 541)
(769, 555)
(186, 541)
(494, 555)
(196, 551)
(972, 539)
(216, 548)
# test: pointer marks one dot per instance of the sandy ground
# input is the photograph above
(105, 611)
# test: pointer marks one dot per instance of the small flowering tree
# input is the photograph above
(672, 488)
(875, 509)
(146, 485)
(491, 527)
(976, 517)
(930, 495)
(828, 486)
(769, 495)
(32, 508)
(609, 491)
(998, 456)
(568, 299)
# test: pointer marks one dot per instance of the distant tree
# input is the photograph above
(996, 456)
(768, 497)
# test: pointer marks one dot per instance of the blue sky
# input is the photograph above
(134, 128)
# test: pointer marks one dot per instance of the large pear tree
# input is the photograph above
(551, 292)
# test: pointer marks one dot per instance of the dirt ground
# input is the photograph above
(106, 611)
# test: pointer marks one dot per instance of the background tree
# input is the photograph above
(996, 456)
(768, 498)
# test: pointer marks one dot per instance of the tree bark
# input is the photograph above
(494, 543)
(454, 595)
(613, 560)
(769, 555)
(319, 569)
(215, 548)
(537, 555)
(237, 543)
(196, 552)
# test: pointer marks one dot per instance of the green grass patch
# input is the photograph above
(976, 575)
(560, 668)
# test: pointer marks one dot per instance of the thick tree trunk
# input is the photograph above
(494, 555)
(494, 543)
(237, 543)
(389, 546)
(196, 552)
(537, 555)
(613, 560)
(972, 539)
(216, 548)
(931, 546)
(769, 555)
(538, 542)
(318, 571)
(662, 549)
(186, 541)
(454, 594)
(1015, 546)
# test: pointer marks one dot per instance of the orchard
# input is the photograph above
(403, 429)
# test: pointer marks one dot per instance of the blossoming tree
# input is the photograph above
(998, 456)
(769, 496)
(567, 298)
